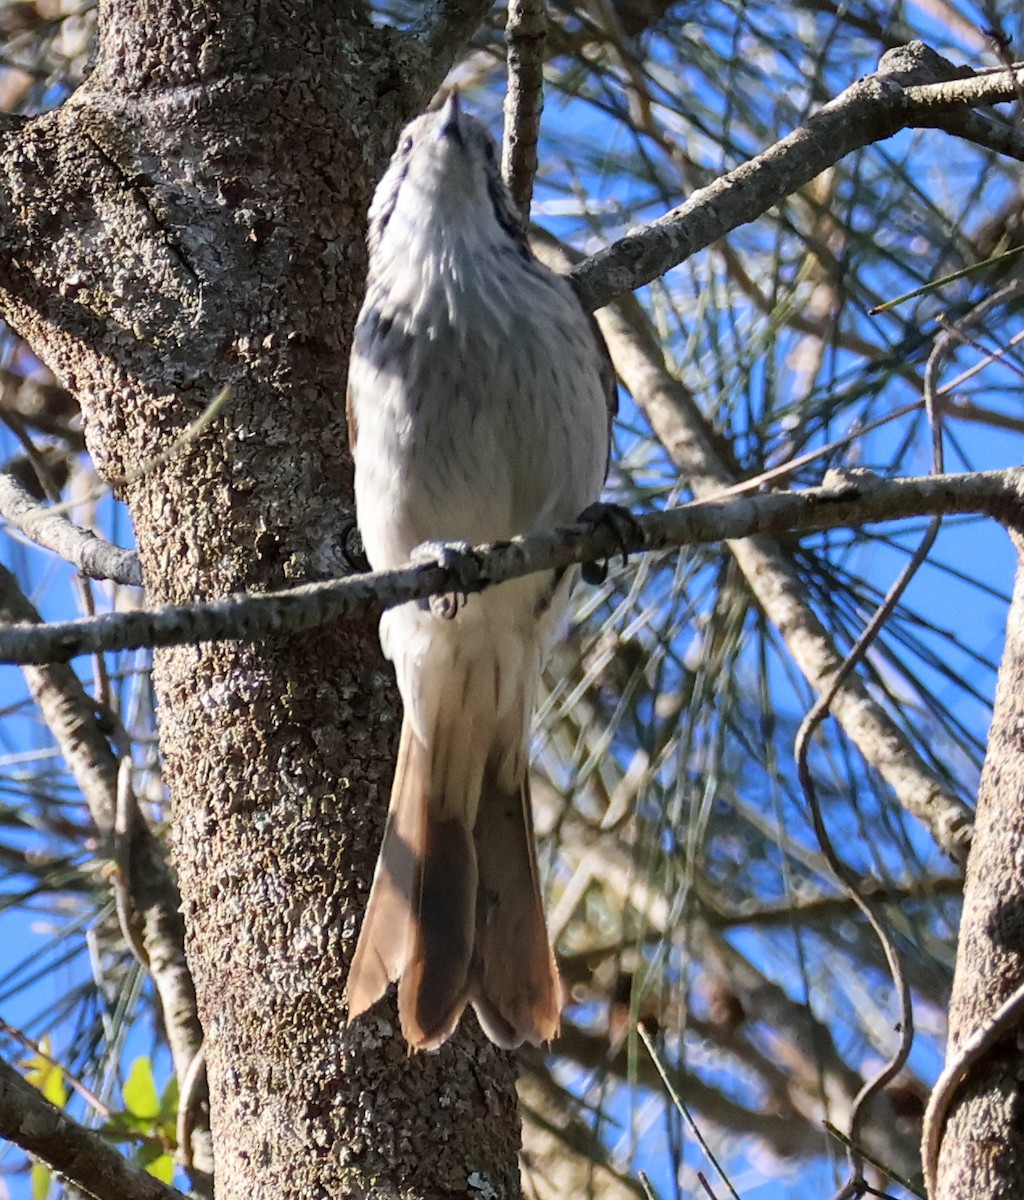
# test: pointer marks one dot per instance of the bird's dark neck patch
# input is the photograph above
(508, 218)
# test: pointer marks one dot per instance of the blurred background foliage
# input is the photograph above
(685, 886)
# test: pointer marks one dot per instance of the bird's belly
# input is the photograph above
(471, 446)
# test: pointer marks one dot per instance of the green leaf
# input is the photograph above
(40, 1181)
(46, 1075)
(153, 1157)
(124, 1127)
(139, 1091)
(162, 1168)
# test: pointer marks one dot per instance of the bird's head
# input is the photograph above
(445, 174)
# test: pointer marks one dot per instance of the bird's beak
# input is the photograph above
(451, 118)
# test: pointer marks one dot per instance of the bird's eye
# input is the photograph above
(406, 147)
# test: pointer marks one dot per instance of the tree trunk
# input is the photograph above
(193, 217)
(980, 1154)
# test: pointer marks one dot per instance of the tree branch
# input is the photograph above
(846, 500)
(525, 34)
(797, 1132)
(913, 87)
(814, 1072)
(777, 584)
(93, 556)
(70, 1150)
(46, 407)
(152, 895)
(812, 909)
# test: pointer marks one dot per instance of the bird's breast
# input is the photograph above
(477, 390)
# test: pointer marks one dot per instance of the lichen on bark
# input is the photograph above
(193, 217)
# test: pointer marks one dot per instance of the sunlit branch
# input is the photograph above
(525, 33)
(914, 87)
(776, 582)
(143, 877)
(815, 1071)
(592, 1052)
(811, 909)
(93, 556)
(847, 500)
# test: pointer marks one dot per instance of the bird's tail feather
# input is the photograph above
(516, 990)
(455, 912)
(385, 940)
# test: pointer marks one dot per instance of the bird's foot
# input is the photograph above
(457, 557)
(624, 527)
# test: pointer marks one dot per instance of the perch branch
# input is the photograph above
(846, 500)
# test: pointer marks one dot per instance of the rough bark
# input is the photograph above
(193, 217)
(980, 1150)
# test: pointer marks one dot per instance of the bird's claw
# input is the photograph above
(624, 527)
(457, 557)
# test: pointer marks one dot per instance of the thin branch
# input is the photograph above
(69, 715)
(1007, 1019)
(145, 888)
(34, 1048)
(846, 500)
(823, 908)
(777, 584)
(914, 87)
(984, 130)
(813, 1063)
(816, 715)
(681, 1108)
(46, 407)
(75, 1153)
(93, 556)
(592, 1051)
(525, 35)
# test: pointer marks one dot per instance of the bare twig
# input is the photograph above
(192, 1092)
(848, 500)
(990, 132)
(1010, 1013)
(914, 87)
(126, 815)
(802, 1043)
(92, 555)
(882, 1168)
(815, 716)
(33, 1047)
(71, 1151)
(812, 909)
(776, 582)
(525, 34)
(148, 898)
(677, 1100)
(1008, 1017)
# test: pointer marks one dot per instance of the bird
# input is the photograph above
(480, 400)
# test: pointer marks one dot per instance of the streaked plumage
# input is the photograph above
(479, 401)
